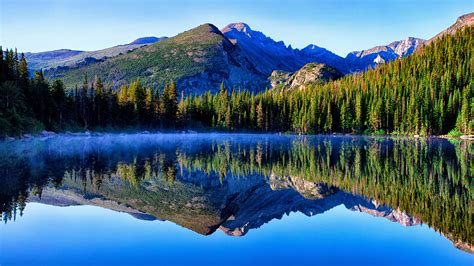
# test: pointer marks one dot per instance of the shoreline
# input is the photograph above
(49, 134)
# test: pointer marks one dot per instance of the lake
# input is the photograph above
(233, 199)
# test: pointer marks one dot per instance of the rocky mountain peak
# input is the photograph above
(239, 26)
(239, 30)
(309, 73)
(405, 47)
(311, 47)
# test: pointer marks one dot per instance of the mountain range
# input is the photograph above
(202, 58)
(69, 58)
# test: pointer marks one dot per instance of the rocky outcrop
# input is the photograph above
(309, 74)
(279, 77)
(313, 73)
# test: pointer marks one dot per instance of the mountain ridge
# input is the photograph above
(241, 58)
(361, 60)
(276, 55)
(461, 22)
(71, 58)
(198, 59)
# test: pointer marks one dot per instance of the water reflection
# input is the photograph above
(236, 183)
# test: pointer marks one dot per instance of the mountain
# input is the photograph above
(269, 55)
(361, 60)
(198, 60)
(147, 40)
(71, 58)
(309, 73)
(317, 54)
(201, 58)
(44, 60)
(462, 22)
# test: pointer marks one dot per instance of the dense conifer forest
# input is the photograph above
(429, 93)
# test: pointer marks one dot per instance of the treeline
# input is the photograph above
(428, 93)
(31, 105)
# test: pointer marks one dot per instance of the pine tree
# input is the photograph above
(23, 72)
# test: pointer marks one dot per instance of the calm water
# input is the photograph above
(223, 199)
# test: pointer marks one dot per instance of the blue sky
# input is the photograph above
(340, 26)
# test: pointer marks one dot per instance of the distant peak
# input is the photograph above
(239, 26)
(312, 47)
(147, 40)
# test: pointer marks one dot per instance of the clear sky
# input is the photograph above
(338, 25)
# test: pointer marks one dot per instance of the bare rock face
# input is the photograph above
(279, 77)
(309, 74)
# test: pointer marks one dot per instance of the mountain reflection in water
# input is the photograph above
(239, 182)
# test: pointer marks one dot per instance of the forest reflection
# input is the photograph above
(429, 179)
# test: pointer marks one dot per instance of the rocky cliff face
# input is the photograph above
(309, 74)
